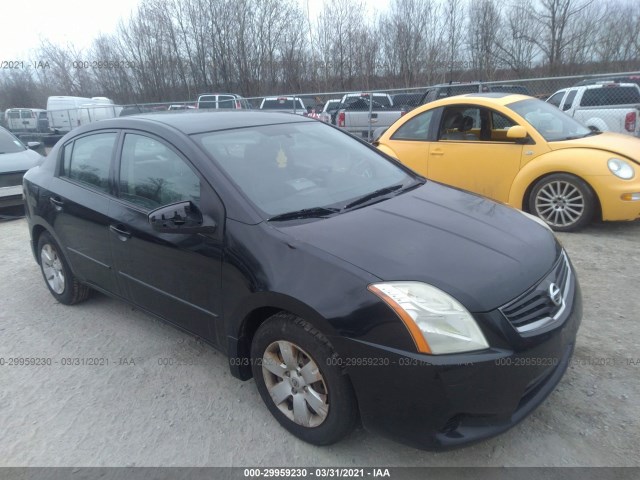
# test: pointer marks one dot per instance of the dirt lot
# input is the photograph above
(137, 411)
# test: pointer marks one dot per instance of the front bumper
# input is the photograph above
(610, 191)
(11, 196)
(447, 401)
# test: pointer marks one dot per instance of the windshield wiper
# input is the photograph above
(316, 212)
(370, 196)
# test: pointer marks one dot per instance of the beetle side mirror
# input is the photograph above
(517, 133)
(181, 217)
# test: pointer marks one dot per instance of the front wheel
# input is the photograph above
(565, 202)
(300, 382)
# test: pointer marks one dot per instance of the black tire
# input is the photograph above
(565, 202)
(325, 425)
(62, 284)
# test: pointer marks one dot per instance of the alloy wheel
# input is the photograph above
(52, 268)
(560, 203)
(295, 384)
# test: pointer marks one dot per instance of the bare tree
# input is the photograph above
(483, 25)
(515, 48)
(403, 31)
(556, 20)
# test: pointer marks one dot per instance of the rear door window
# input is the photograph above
(88, 160)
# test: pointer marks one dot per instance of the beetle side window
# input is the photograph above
(415, 129)
(152, 174)
(90, 160)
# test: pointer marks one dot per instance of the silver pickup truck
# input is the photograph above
(361, 115)
(603, 106)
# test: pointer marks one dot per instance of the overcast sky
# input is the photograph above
(27, 22)
(75, 22)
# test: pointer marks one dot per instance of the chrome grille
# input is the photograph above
(536, 308)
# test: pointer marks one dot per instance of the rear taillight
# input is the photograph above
(341, 119)
(630, 122)
(238, 107)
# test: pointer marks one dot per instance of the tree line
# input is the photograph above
(175, 49)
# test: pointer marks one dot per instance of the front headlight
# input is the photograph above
(620, 168)
(437, 322)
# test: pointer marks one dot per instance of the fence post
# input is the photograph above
(370, 115)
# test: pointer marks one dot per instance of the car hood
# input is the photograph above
(481, 252)
(616, 143)
(19, 161)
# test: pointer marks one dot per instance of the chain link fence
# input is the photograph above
(606, 102)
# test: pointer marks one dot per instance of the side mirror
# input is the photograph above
(181, 217)
(33, 145)
(517, 133)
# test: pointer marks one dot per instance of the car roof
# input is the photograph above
(502, 98)
(190, 123)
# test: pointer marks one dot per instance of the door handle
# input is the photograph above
(122, 233)
(437, 152)
(57, 203)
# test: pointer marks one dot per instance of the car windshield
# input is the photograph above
(9, 143)
(550, 122)
(303, 167)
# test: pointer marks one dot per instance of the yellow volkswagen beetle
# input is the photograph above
(523, 152)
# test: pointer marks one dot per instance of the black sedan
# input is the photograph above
(347, 286)
(15, 160)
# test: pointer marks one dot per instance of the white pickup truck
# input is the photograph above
(603, 106)
(360, 116)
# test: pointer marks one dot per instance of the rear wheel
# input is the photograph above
(62, 284)
(563, 201)
(298, 379)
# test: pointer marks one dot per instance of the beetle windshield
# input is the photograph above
(302, 166)
(550, 122)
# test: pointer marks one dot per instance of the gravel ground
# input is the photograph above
(136, 411)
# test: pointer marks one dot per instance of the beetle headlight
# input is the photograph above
(437, 322)
(620, 168)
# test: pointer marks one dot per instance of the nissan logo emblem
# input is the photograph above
(555, 294)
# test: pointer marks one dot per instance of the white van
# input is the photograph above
(66, 113)
(22, 119)
(92, 112)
